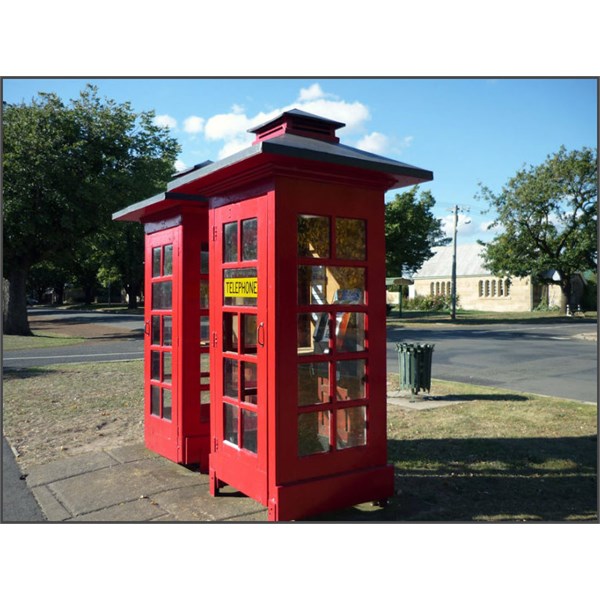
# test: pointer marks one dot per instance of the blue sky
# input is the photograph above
(465, 130)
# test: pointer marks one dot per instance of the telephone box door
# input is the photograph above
(161, 408)
(238, 318)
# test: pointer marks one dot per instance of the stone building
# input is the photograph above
(476, 287)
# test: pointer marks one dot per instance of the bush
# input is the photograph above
(431, 303)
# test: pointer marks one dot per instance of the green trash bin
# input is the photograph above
(414, 363)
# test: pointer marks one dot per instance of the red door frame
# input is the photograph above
(161, 432)
(229, 462)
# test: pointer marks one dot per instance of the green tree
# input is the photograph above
(67, 167)
(548, 215)
(411, 230)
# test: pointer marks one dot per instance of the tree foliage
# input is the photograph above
(548, 217)
(411, 230)
(67, 168)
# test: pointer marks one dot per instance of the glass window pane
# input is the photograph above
(155, 366)
(350, 239)
(161, 295)
(230, 414)
(351, 376)
(250, 334)
(204, 331)
(204, 293)
(166, 404)
(168, 258)
(350, 332)
(230, 378)
(154, 400)
(313, 333)
(313, 433)
(205, 362)
(313, 236)
(230, 247)
(156, 331)
(249, 239)
(240, 287)
(312, 285)
(167, 331)
(313, 383)
(204, 260)
(249, 383)
(205, 397)
(249, 431)
(230, 332)
(351, 427)
(345, 285)
(167, 367)
(156, 262)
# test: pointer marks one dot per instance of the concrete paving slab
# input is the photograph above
(142, 509)
(125, 454)
(421, 402)
(196, 504)
(53, 510)
(69, 467)
(114, 485)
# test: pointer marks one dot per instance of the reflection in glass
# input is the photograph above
(249, 383)
(156, 262)
(350, 239)
(166, 404)
(313, 383)
(249, 240)
(230, 248)
(167, 367)
(351, 379)
(155, 366)
(205, 362)
(230, 332)
(168, 260)
(350, 332)
(313, 333)
(230, 378)
(313, 236)
(154, 400)
(161, 295)
(250, 334)
(167, 331)
(230, 415)
(204, 260)
(318, 284)
(313, 433)
(156, 331)
(205, 397)
(204, 331)
(203, 293)
(249, 431)
(351, 427)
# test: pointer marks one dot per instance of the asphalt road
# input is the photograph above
(546, 359)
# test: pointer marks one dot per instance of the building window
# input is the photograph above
(493, 287)
(443, 288)
(500, 287)
(481, 288)
(432, 288)
(487, 288)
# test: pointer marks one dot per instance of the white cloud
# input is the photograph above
(165, 121)
(373, 142)
(311, 93)
(463, 228)
(180, 165)
(193, 124)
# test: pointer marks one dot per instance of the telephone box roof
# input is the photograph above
(292, 136)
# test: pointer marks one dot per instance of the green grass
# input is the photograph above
(47, 340)
(492, 455)
(413, 318)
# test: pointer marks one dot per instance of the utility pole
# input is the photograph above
(453, 313)
(455, 211)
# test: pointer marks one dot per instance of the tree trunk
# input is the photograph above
(15, 315)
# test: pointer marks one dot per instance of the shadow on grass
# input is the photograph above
(14, 373)
(487, 397)
(511, 479)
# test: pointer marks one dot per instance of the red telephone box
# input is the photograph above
(297, 319)
(176, 341)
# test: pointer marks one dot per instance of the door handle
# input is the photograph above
(260, 335)
(147, 328)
